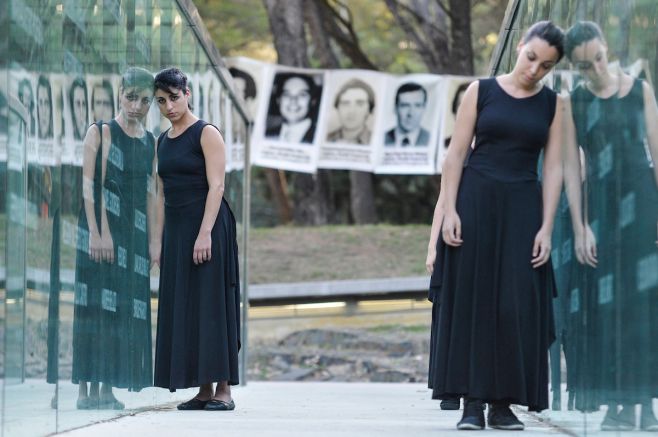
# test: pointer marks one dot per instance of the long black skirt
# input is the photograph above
(198, 335)
(493, 322)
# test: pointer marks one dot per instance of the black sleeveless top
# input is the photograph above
(510, 132)
(182, 166)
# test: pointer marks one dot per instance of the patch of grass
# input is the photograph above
(297, 254)
(414, 329)
(286, 253)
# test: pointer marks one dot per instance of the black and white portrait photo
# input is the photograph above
(293, 110)
(411, 123)
(354, 104)
(410, 105)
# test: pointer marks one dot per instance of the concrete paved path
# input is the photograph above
(309, 409)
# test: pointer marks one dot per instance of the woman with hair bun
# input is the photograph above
(492, 282)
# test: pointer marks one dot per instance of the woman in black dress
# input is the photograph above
(198, 315)
(112, 307)
(493, 288)
(614, 303)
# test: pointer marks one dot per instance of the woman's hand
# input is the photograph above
(541, 250)
(585, 246)
(202, 248)
(155, 250)
(107, 247)
(95, 246)
(452, 229)
(429, 261)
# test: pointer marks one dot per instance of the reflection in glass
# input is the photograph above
(613, 305)
(102, 98)
(112, 316)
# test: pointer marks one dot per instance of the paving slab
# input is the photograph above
(310, 409)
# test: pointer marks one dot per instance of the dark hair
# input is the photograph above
(249, 83)
(410, 87)
(279, 82)
(136, 77)
(44, 82)
(356, 83)
(579, 33)
(455, 100)
(169, 78)
(107, 86)
(550, 33)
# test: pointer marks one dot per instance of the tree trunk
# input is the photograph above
(362, 198)
(460, 30)
(311, 204)
(362, 202)
(276, 182)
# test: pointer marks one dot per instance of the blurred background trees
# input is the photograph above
(395, 36)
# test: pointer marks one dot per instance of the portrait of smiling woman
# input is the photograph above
(293, 109)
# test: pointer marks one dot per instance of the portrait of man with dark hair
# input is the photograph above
(293, 109)
(44, 108)
(79, 107)
(354, 103)
(245, 87)
(410, 104)
(26, 96)
(102, 101)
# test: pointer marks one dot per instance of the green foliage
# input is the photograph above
(238, 27)
(241, 28)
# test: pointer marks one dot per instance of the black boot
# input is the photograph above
(473, 417)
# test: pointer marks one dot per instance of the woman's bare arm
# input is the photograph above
(213, 148)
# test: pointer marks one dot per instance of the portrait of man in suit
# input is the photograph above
(410, 103)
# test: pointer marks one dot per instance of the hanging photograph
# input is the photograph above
(454, 88)
(412, 120)
(287, 140)
(351, 126)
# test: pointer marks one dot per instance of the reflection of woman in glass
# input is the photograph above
(199, 307)
(615, 115)
(79, 107)
(44, 108)
(102, 101)
(293, 108)
(112, 323)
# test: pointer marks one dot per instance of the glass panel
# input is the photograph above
(78, 299)
(604, 369)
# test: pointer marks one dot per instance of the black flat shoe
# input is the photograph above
(192, 404)
(473, 416)
(450, 403)
(217, 405)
